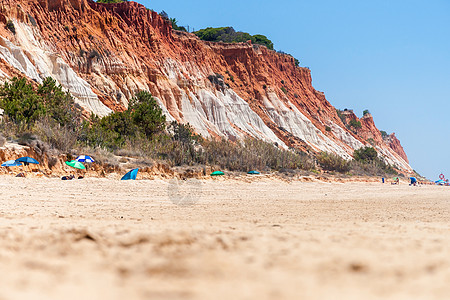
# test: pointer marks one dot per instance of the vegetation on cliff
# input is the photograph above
(173, 21)
(24, 105)
(143, 119)
(229, 35)
(47, 117)
(10, 26)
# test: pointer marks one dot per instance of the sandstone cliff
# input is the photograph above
(104, 53)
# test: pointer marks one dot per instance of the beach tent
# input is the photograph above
(130, 175)
(27, 160)
(217, 173)
(413, 180)
(11, 163)
(440, 182)
(75, 164)
(253, 172)
(85, 158)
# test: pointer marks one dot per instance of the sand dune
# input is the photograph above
(222, 239)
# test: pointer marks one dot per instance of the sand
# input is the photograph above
(222, 239)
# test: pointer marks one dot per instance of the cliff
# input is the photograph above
(104, 53)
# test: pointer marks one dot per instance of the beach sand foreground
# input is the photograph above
(222, 239)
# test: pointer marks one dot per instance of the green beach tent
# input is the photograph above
(253, 172)
(217, 173)
(75, 164)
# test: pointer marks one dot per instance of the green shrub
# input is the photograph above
(365, 112)
(284, 89)
(10, 26)
(327, 128)
(146, 113)
(341, 116)
(48, 112)
(182, 132)
(20, 102)
(59, 105)
(144, 118)
(175, 26)
(229, 35)
(383, 134)
(102, 132)
(262, 40)
(365, 154)
(355, 124)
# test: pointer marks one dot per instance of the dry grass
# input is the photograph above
(2, 140)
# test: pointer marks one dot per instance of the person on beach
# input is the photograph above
(70, 177)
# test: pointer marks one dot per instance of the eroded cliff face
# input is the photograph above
(104, 53)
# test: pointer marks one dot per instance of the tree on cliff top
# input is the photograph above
(175, 26)
(229, 35)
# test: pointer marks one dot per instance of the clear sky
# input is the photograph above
(389, 56)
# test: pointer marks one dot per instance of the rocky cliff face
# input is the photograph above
(104, 53)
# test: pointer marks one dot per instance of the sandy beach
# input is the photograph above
(222, 239)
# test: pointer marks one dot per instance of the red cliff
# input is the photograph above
(104, 53)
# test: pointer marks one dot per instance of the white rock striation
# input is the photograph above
(37, 62)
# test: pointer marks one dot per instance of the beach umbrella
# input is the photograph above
(253, 172)
(130, 175)
(27, 160)
(11, 163)
(85, 158)
(75, 164)
(217, 173)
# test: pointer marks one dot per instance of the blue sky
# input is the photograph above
(391, 57)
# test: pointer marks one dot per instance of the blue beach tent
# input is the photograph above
(27, 160)
(253, 172)
(11, 163)
(130, 175)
